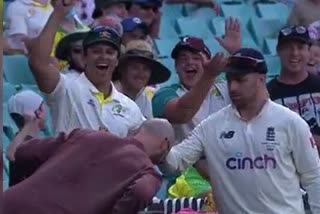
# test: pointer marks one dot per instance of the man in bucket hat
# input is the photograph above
(91, 100)
(70, 49)
(137, 69)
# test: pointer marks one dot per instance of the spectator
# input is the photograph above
(70, 49)
(116, 8)
(137, 68)
(25, 19)
(304, 12)
(295, 88)
(149, 12)
(84, 10)
(91, 171)
(90, 101)
(27, 110)
(258, 152)
(134, 29)
(314, 61)
(110, 22)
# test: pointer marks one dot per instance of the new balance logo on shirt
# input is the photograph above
(227, 135)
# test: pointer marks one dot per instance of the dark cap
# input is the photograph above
(102, 4)
(194, 44)
(246, 60)
(157, 2)
(294, 33)
(129, 24)
(102, 34)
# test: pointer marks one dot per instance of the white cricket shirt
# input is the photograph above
(255, 167)
(74, 104)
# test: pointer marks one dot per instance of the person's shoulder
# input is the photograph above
(272, 84)
(167, 89)
(220, 115)
(314, 80)
(282, 113)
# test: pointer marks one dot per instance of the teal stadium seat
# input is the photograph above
(273, 10)
(194, 27)
(203, 13)
(213, 45)
(271, 46)
(16, 70)
(262, 29)
(8, 91)
(172, 11)
(273, 64)
(167, 28)
(169, 63)
(218, 25)
(237, 9)
(165, 46)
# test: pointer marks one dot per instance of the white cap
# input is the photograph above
(24, 102)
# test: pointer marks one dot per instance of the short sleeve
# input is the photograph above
(60, 90)
(161, 97)
(15, 21)
(304, 149)
(137, 118)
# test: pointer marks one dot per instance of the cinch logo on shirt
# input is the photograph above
(243, 163)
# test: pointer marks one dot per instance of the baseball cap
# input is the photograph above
(158, 2)
(131, 23)
(101, 34)
(191, 43)
(296, 33)
(246, 60)
(24, 102)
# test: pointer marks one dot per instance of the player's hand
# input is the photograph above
(62, 7)
(212, 67)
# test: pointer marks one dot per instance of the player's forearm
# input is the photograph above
(311, 183)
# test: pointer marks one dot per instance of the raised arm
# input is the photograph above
(45, 72)
(182, 109)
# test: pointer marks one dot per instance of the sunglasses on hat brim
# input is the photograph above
(290, 30)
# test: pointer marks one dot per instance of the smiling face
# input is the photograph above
(136, 75)
(189, 67)
(101, 60)
(294, 56)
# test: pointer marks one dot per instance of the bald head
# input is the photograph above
(157, 136)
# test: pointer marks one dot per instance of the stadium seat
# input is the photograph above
(165, 46)
(170, 65)
(271, 46)
(264, 28)
(8, 91)
(273, 10)
(9, 127)
(4, 9)
(172, 11)
(273, 64)
(16, 70)
(194, 27)
(213, 45)
(218, 25)
(167, 28)
(205, 13)
(237, 9)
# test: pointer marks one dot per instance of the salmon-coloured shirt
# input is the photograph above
(85, 172)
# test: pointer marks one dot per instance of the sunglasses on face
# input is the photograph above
(289, 30)
(155, 9)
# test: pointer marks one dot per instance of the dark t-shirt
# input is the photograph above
(303, 98)
(85, 172)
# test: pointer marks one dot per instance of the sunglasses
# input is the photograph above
(244, 61)
(155, 9)
(298, 30)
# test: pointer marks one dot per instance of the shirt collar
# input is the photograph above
(115, 94)
(262, 111)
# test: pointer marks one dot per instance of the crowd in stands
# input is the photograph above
(152, 106)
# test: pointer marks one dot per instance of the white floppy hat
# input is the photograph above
(24, 102)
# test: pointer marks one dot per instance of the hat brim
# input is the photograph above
(102, 41)
(142, 26)
(178, 48)
(293, 38)
(243, 70)
(63, 47)
(159, 72)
